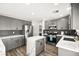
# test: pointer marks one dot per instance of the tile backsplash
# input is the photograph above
(11, 32)
(66, 32)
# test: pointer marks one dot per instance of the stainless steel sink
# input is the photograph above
(69, 39)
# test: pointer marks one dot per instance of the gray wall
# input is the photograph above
(62, 23)
(35, 28)
(7, 23)
(75, 15)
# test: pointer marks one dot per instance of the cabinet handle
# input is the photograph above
(40, 43)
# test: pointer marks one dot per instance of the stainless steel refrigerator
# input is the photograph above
(28, 30)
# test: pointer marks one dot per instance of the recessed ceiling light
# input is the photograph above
(33, 24)
(27, 16)
(55, 4)
(33, 13)
(28, 3)
(61, 15)
(68, 8)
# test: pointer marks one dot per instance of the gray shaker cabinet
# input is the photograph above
(6, 43)
(14, 42)
(10, 44)
(39, 46)
(19, 41)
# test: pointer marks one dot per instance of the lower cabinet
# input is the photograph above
(39, 46)
(19, 41)
(35, 45)
(11, 43)
(65, 52)
(7, 43)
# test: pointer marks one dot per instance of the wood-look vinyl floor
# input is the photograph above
(51, 50)
(20, 51)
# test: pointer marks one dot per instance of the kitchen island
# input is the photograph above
(67, 48)
(35, 45)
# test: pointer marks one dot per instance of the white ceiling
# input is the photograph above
(34, 11)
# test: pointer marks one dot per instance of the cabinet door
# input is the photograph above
(15, 42)
(18, 41)
(8, 43)
(42, 44)
(39, 46)
(21, 41)
(5, 42)
(12, 43)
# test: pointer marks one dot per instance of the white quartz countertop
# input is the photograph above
(69, 45)
(10, 36)
(2, 49)
(35, 37)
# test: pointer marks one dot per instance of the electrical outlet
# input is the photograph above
(13, 32)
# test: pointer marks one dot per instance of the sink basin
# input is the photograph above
(69, 39)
